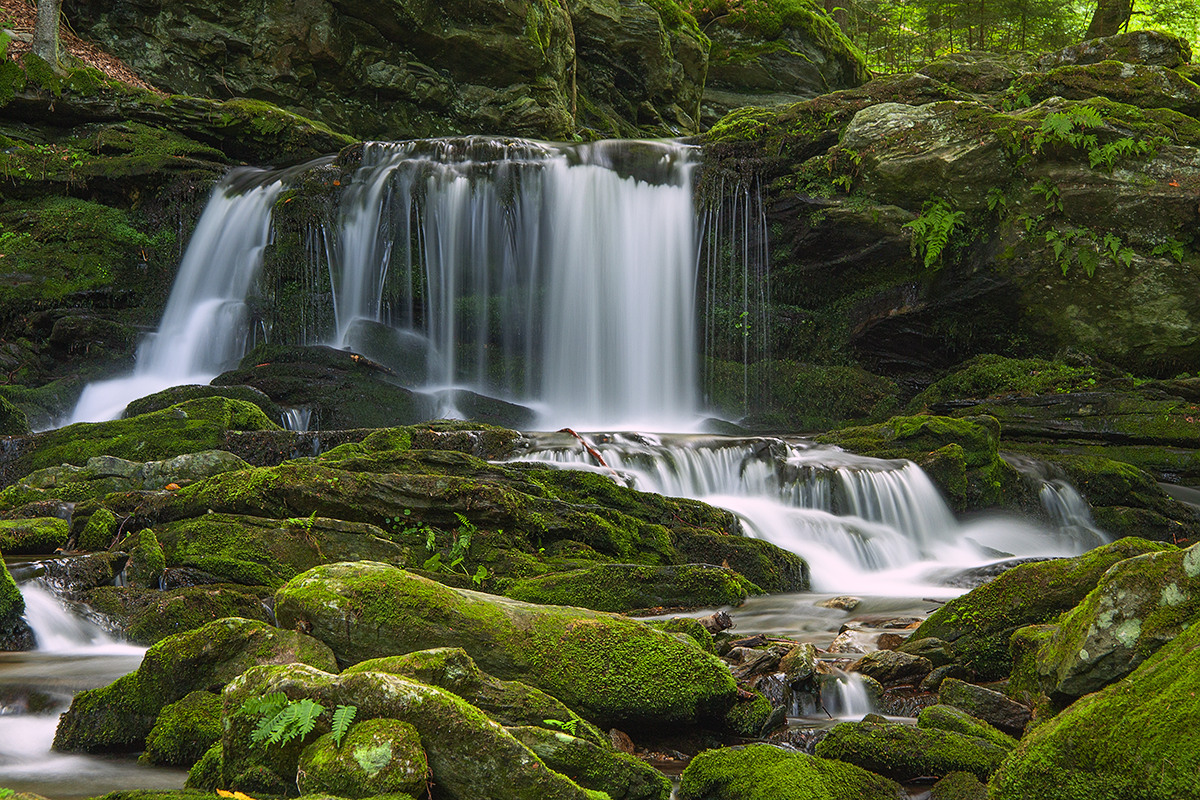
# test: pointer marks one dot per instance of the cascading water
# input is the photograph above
(862, 524)
(204, 326)
(559, 276)
(72, 654)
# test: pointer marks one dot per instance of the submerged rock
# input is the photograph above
(609, 668)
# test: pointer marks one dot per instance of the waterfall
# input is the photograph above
(845, 696)
(204, 326)
(58, 630)
(562, 277)
(863, 524)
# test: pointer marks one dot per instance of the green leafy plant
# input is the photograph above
(1171, 247)
(1050, 192)
(343, 718)
(7, 793)
(455, 559)
(570, 726)
(933, 229)
(281, 720)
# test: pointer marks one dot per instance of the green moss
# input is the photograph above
(147, 616)
(594, 766)
(763, 772)
(100, 531)
(38, 536)
(12, 604)
(980, 623)
(608, 668)
(992, 375)
(205, 774)
(1025, 682)
(146, 560)
(749, 716)
(189, 427)
(955, 720)
(120, 716)
(13, 421)
(691, 628)
(378, 756)
(624, 587)
(958, 786)
(184, 731)
(41, 73)
(1086, 752)
(901, 752)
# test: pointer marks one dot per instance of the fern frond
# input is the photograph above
(343, 718)
(269, 705)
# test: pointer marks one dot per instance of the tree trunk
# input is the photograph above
(45, 31)
(1110, 16)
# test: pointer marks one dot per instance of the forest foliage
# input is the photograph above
(900, 35)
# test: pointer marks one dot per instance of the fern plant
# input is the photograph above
(281, 720)
(933, 229)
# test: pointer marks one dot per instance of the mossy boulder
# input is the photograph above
(1137, 607)
(625, 587)
(119, 717)
(37, 536)
(184, 730)
(610, 669)
(267, 552)
(378, 756)
(949, 718)
(511, 703)
(342, 389)
(13, 421)
(147, 616)
(961, 455)
(99, 531)
(780, 52)
(14, 632)
(764, 772)
(1086, 751)
(593, 766)
(980, 623)
(146, 562)
(902, 752)
(1140, 85)
(1155, 48)
(102, 475)
(181, 394)
(190, 427)
(958, 786)
(992, 707)
(468, 754)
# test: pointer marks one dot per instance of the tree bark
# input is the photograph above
(1110, 16)
(45, 31)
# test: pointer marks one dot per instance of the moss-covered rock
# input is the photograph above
(1137, 607)
(377, 756)
(14, 632)
(146, 562)
(958, 786)
(979, 623)
(102, 475)
(118, 717)
(147, 616)
(99, 532)
(37, 536)
(961, 455)
(992, 707)
(1086, 751)
(593, 766)
(468, 754)
(511, 703)
(190, 427)
(265, 552)
(609, 668)
(181, 394)
(624, 587)
(184, 730)
(13, 421)
(902, 752)
(342, 389)
(763, 772)
(949, 718)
